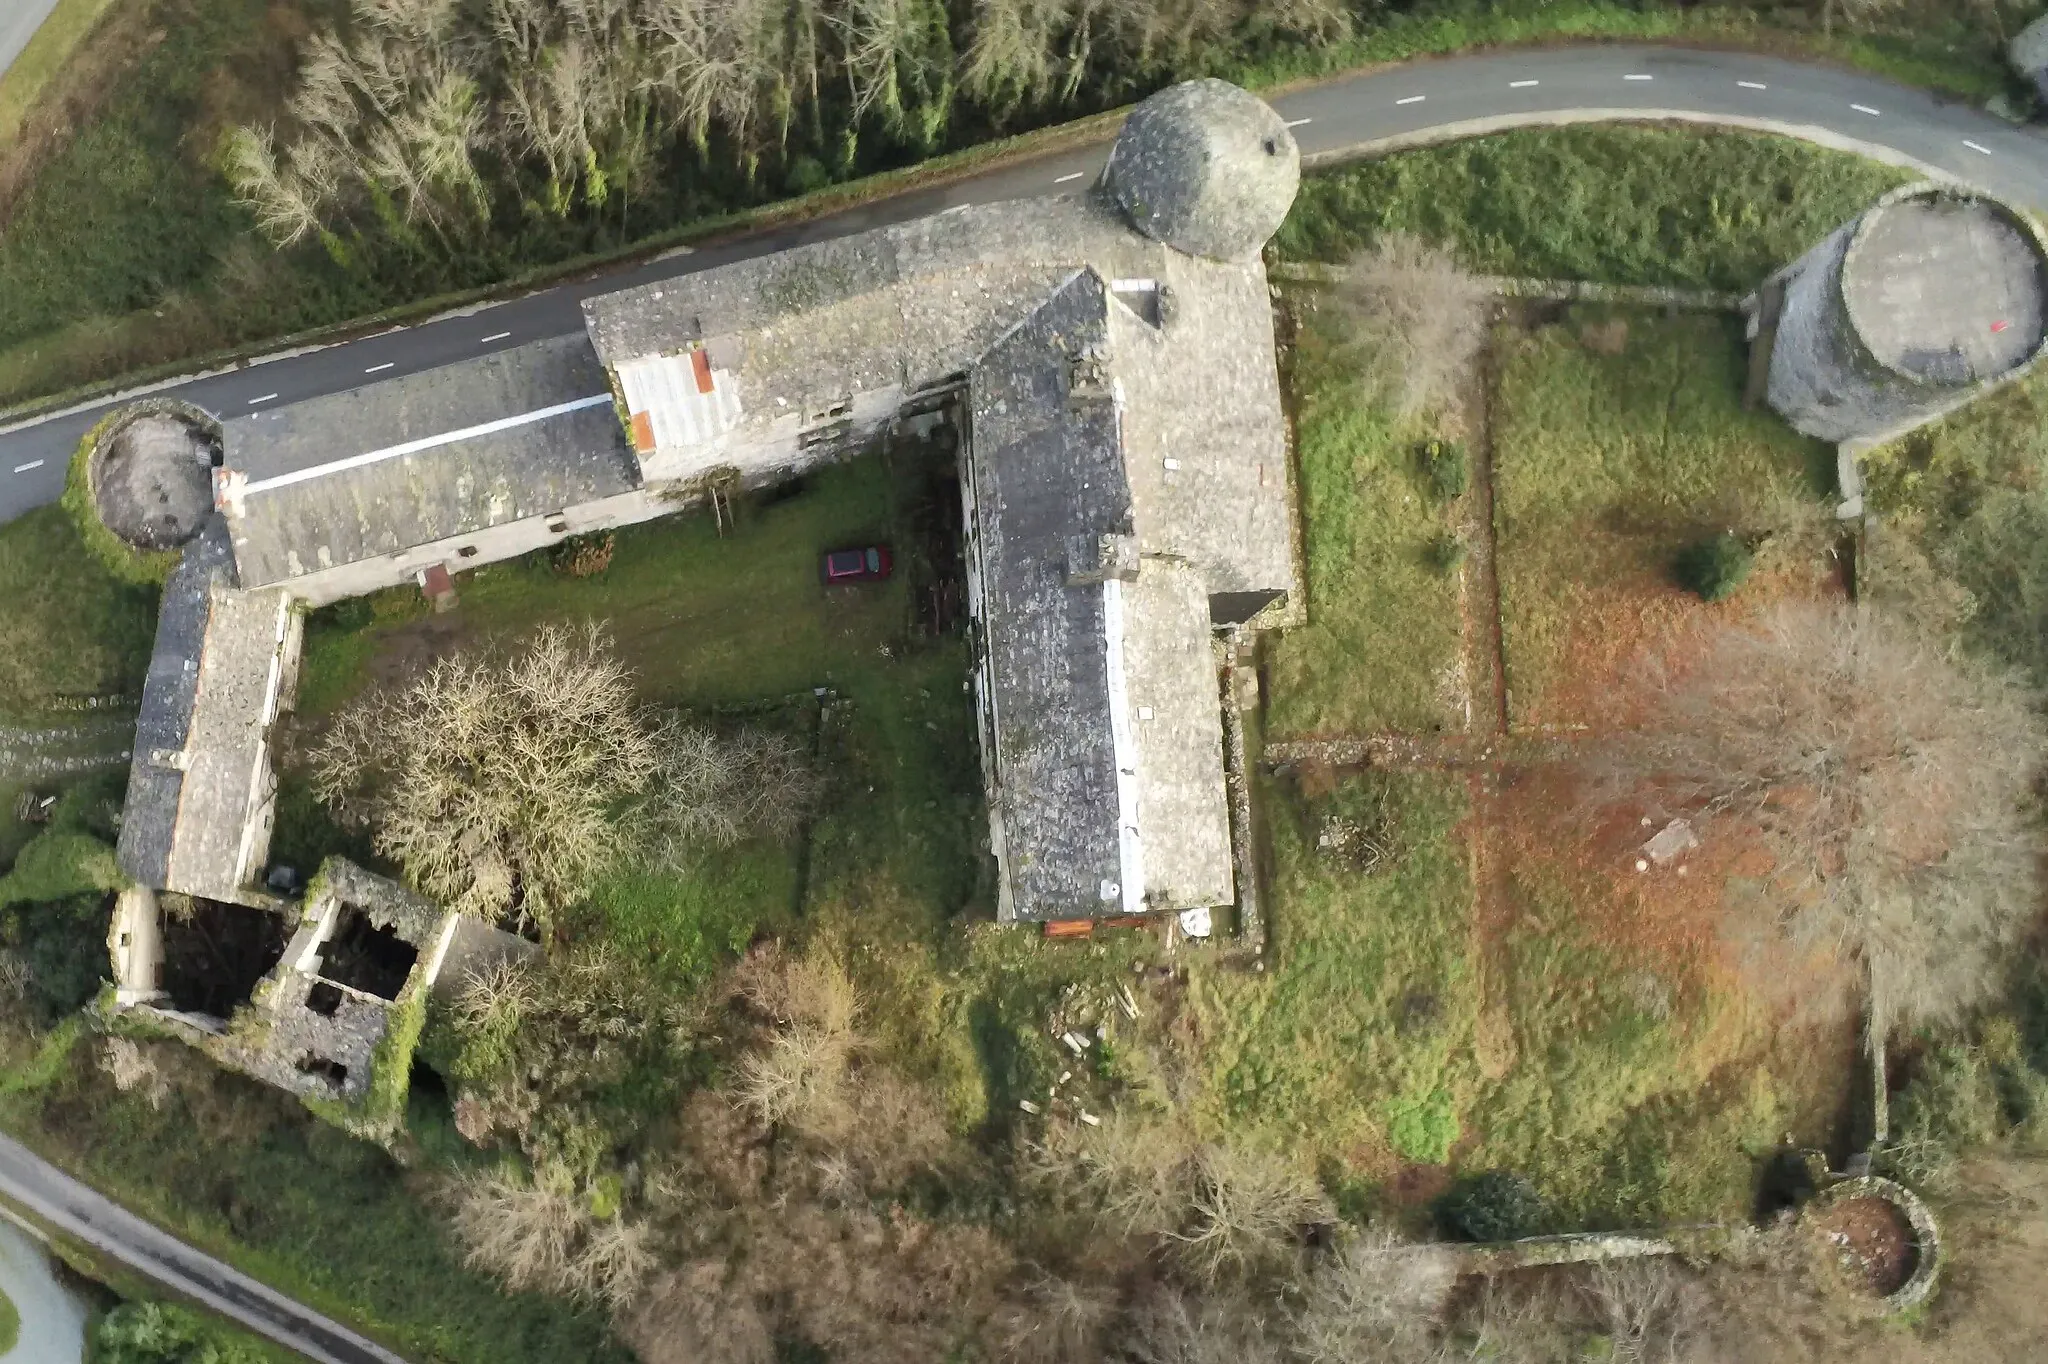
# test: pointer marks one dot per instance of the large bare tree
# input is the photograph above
(1417, 318)
(496, 783)
(1891, 781)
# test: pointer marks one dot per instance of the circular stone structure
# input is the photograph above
(1206, 168)
(1899, 1275)
(152, 479)
(1900, 314)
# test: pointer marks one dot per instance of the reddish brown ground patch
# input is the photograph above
(1872, 1241)
(1622, 624)
(1417, 1185)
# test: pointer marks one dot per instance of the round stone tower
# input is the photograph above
(1205, 167)
(150, 474)
(1900, 314)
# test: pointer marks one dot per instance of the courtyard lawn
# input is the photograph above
(1615, 204)
(1380, 647)
(1619, 439)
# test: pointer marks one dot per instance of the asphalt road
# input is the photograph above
(19, 20)
(1358, 113)
(62, 1203)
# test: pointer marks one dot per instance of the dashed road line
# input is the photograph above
(376, 368)
(1297, 122)
(1976, 147)
(1753, 85)
(24, 468)
(494, 336)
(1520, 85)
(1061, 180)
(264, 399)
(1865, 109)
(1638, 78)
(1412, 99)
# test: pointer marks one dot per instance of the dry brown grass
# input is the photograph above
(1891, 784)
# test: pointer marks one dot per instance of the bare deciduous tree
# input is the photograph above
(495, 782)
(1416, 317)
(1377, 1299)
(546, 1236)
(1651, 1310)
(1171, 1327)
(718, 791)
(1892, 783)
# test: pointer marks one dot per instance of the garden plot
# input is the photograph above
(1620, 441)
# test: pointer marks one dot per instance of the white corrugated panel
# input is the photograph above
(678, 401)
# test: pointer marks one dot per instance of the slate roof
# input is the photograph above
(200, 765)
(358, 475)
(1106, 771)
(911, 305)
(1044, 470)
(150, 817)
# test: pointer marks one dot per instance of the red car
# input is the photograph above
(862, 564)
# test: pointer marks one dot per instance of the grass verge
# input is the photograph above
(39, 63)
(1634, 205)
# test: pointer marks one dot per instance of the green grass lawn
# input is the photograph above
(1619, 438)
(1358, 1042)
(68, 630)
(1383, 628)
(1619, 205)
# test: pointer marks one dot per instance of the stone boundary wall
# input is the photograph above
(1558, 290)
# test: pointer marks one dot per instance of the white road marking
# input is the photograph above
(1517, 85)
(264, 399)
(1638, 78)
(1412, 99)
(1064, 178)
(1865, 109)
(413, 447)
(495, 336)
(1753, 85)
(1975, 147)
(24, 468)
(1297, 122)
(375, 368)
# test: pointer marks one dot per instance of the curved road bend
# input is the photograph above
(61, 1202)
(1379, 109)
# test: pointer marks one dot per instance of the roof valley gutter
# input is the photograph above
(413, 447)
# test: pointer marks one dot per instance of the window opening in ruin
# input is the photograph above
(215, 953)
(365, 957)
(324, 998)
(325, 1068)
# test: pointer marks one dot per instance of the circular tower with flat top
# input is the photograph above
(1899, 316)
(1206, 168)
